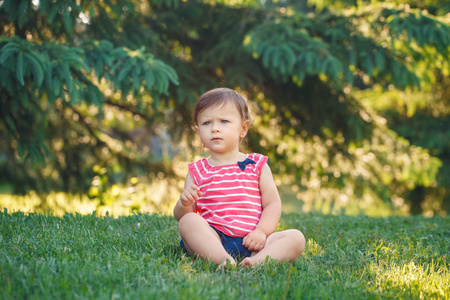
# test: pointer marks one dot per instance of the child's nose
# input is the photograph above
(215, 127)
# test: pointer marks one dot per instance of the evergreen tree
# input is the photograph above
(111, 84)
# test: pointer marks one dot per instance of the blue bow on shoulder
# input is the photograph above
(244, 163)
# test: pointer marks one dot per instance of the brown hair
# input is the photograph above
(219, 97)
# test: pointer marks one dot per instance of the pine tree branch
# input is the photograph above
(129, 109)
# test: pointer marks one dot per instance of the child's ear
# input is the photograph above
(245, 127)
(196, 128)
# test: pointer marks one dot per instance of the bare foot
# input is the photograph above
(227, 264)
(247, 262)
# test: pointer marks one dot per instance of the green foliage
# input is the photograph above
(60, 72)
(423, 120)
(111, 84)
(37, 74)
(297, 46)
(139, 256)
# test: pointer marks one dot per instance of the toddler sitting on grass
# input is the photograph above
(230, 206)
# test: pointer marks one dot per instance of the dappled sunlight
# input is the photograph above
(426, 278)
(19, 203)
(118, 200)
(187, 268)
(313, 248)
(333, 175)
(161, 195)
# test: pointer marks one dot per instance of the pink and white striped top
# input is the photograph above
(231, 199)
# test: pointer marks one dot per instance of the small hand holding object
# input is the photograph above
(255, 240)
(190, 195)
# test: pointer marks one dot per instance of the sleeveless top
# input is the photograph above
(231, 199)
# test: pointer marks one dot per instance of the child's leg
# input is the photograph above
(200, 239)
(284, 245)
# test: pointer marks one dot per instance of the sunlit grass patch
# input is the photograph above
(312, 248)
(420, 281)
(158, 196)
(117, 200)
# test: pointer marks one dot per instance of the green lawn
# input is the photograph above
(138, 257)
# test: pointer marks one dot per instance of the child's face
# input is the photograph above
(221, 128)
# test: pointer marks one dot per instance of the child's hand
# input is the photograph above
(190, 195)
(255, 240)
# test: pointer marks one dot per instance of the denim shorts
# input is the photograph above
(233, 245)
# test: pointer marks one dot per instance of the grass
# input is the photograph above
(138, 257)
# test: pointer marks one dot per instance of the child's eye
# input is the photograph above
(206, 123)
(225, 121)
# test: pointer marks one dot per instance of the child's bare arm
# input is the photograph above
(188, 199)
(271, 212)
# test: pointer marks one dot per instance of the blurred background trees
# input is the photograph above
(350, 98)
